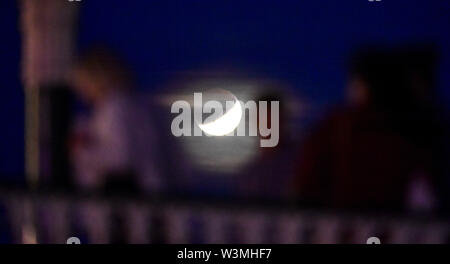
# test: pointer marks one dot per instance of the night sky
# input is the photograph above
(305, 43)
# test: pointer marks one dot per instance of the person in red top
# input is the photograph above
(378, 151)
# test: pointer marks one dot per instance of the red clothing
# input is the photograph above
(356, 160)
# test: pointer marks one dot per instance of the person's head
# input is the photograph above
(391, 79)
(376, 78)
(99, 72)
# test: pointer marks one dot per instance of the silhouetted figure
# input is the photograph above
(384, 149)
(114, 147)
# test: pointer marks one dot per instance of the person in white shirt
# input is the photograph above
(115, 145)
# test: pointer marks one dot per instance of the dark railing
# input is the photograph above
(54, 217)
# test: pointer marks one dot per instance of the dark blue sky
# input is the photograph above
(305, 43)
(11, 99)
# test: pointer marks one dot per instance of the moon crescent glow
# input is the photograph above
(226, 123)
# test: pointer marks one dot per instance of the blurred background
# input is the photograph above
(87, 148)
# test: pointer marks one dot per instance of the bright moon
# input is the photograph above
(226, 123)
